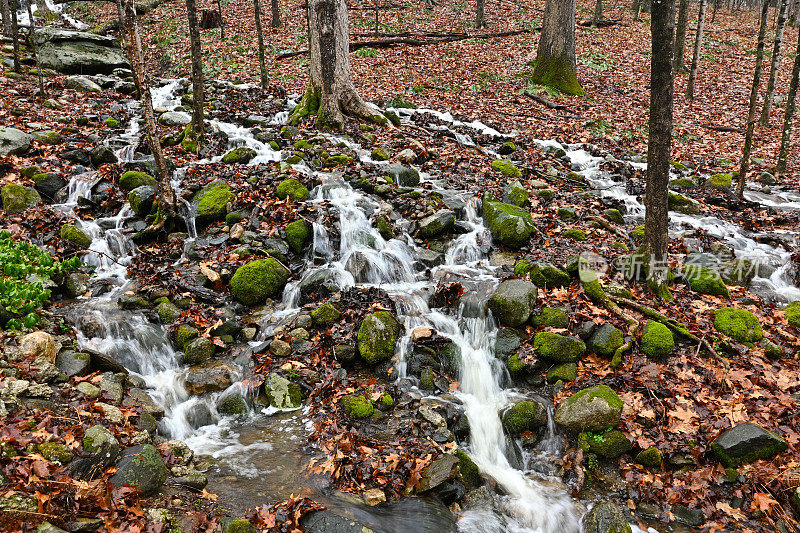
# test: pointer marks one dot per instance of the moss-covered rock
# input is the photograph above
(141, 467)
(793, 314)
(298, 234)
(738, 324)
(513, 302)
(614, 215)
(55, 452)
(720, 181)
(18, 198)
(241, 155)
(527, 415)
(552, 317)
(291, 188)
(282, 393)
(605, 340)
(357, 406)
(515, 365)
(558, 348)
(657, 340)
(380, 154)
(563, 372)
(606, 517)
(133, 178)
(468, 471)
(510, 225)
(682, 204)
(325, 315)
(183, 334)
(746, 443)
(168, 312)
(97, 439)
(637, 233)
(507, 168)
(232, 405)
(386, 401)
(212, 201)
(609, 444)
(566, 213)
(649, 458)
(377, 337)
(254, 282)
(237, 525)
(384, 227)
(515, 194)
(198, 350)
(594, 409)
(436, 224)
(507, 148)
(141, 200)
(402, 175)
(576, 234)
(76, 236)
(706, 280)
(545, 194)
(548, 275)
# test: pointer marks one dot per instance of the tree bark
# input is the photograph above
(276, 14)
(662, 26)
(221, 21)
(330, 92)
(198, 127)
(480, 18)
(598, 12)
(31, 32)
(555, 57)
(6, 16)
(260, 34)
(165, 195)
(13, 5)
(783, 155)
(680, 34)
(698, 45)
(751, 114)
(776, 62)
(637, 9)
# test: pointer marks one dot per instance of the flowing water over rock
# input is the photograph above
(268, 445)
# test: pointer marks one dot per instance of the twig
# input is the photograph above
(722, 128)
(544, 101)
(607, 225)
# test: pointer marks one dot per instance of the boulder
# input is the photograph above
(101, 155)
(377, 337)
(38, 344)
(291, 188)
(527, 415)
(48, 184)
(82, 84)
(510, 225)
(720, 181)
(605, 340)
(357, 406)
(746, 443)
(439, 471)
(141, 200)
(72, 363)
(515, 194)
(325, 315)
(706, 280)
(14, 141)
(198, 351)
(593, 409)
(281, 392)
(738, 272)
(402, 175)
(563, 372)
(738, 324)
(298, 234)
(513, 302)
(133, 179)
(142, 467)
(507, 168)
(553, 317)
(210, 376)
(211, 202)
(74, 52)
(558, 348)
(609, 445)
(18, 198)
(548, 275)
(657, 340)
(506, 343)
(435, 225)
(793, 314)
(254, 282)
(76, 236)
(176, 118)
(606, 517)
(232, 405)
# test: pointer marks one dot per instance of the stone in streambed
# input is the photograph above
(558, 348)
(526, 415)
(592, 409)
(377, 337)
(436, 224)
(513, 302)
(142, 467)
(258, 280)
(211, 202)
(510, 225)
(606, 517)
(281, 392)
(298, 234)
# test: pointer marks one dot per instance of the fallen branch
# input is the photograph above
(410, 40)
(544, 101)
(600, 24)
(608, 225)
(722, 128)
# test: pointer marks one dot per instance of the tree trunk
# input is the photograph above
(330, 92)
(555, 57)
(751, 114)
(637, 9)
(13, 5)
(221, 21)
(776, 62)
(780, 168)
(260, 34)
(698, 45)
(480, 19)
(276, 14)
(714, 13)
(598, 13)
(680, 35)
(6, 15)
(31, 32)
(165, 195)
(198, 128)
(662, 26)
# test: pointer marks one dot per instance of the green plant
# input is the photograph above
(599, 127)
(597, 61)
(26, 269)
(539, 89)
(367, 52)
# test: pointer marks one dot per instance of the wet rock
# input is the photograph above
(318, 285)
(72, 363)
(211, 202)
(649, 458)
(609, 445)
(71, 52)
(507, 168)
(48, 184)
(298, 234)
(344, 353)
(688, 516)
(437, 224)
(737, 272)
(141, 200)
(38, 344)
(657, 340)
(132, 179)
(594, 409)
(293, 189)
(507, 342)
(513, 302)
(738, 324)
(281, 392)
(682, 204)
(168, 312)
(515, 194)
(548, 275)
(280, 348)
(175, 118)
(357, 406)
(106, 362)
(17, 198)
(526, 415)
(325, 315)
(429, 258)
(210, 376)
(82, 84)
(563, 372)
(480, 498)
(553, 317)
(377, 337)
(76, 236)
(402, 175)
(746, 443)
(439, 471)
(509, 224)
(605, 340)
(558, 348)
(258, 280)
(14, 141)
(606, 517)
(232, 405)
(142, 467)
(102, 155)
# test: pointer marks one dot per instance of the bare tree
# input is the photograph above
(6, 16)
(555, 56)
(751, 114)
(637, 9)
(13, 6)
(31, 32)
(276, 14)
(598, 13)
(331, 94)
(783, 155)
(776, 62)
(680, 34)
(480, 16)
(260, 34)
(698, 45)
(198, 124)
(221, 21)
(165, 195)
(659, 143)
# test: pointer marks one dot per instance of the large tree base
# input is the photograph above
(558, 74)
(330, 110)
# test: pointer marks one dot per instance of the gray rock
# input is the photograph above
(174, 118)
(211, 376)
(745, 443)
(14, 141)
(606, 517)
(141, 199)
(402, 175)
(429, 258)
(605, 340)
(74, 52)
(594, 409)
(435, 225)
(141, 466)
(507, 343)
(82, 84)
(513, 302)
(688, 516)
(73, 363)
(281, 392)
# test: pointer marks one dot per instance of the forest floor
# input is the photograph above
(679, 405)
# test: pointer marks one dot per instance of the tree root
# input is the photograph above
(596, 293)
(608, 225)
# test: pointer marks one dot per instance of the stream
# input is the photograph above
(255, 458)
